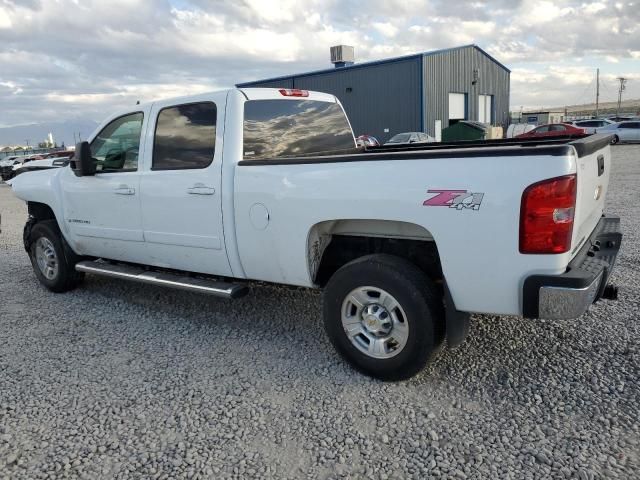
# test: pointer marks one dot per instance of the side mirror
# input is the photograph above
(84, 164)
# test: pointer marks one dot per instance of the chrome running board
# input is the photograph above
(165, 279)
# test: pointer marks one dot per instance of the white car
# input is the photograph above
(42, 164)
(7, 164)
(210, 192)
(624, 132)
(593, 125)
(410, 137)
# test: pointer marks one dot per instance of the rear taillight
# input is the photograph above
(546, 215)
(293, 92)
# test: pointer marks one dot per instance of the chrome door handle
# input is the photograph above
(125, 190)
(201, 189)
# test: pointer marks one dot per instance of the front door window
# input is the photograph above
(116, 147)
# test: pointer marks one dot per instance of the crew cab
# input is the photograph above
(213, 192)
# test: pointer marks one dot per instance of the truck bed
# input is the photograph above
(557, 146)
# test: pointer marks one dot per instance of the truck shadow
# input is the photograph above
(282, 328)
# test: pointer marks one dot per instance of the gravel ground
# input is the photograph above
(120, 380)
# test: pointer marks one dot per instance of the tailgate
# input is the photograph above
(593, 167)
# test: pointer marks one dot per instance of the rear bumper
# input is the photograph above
(570, 294)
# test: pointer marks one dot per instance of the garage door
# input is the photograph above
(457, 106)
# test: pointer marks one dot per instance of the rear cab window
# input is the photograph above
(289, 128)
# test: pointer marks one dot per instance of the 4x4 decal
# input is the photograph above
(457, 199)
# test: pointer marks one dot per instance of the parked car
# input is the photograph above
(621, 119)
(6, 166)
(410, 137)
(60, 154)
(42, 164)
(593, 125)
(516, 129)
(367, 141)
(208, 192)
(552, 130)
(624, 132)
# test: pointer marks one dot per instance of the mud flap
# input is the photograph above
(457, 323)
(26, 233)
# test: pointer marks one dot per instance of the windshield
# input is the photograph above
(280, 128)
(400, 138)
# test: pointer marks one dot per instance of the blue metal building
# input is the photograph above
(411, 93)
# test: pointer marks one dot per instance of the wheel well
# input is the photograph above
(40, 211)
(344, 248)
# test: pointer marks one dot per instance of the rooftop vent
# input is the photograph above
(342, 56)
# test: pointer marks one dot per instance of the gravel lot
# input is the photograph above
(120, 380)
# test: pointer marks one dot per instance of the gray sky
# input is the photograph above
(84, 59)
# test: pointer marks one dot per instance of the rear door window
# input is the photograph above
(185, 137)
(285, 128)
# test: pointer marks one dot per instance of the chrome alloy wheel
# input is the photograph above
(47, 258)
(375, 322)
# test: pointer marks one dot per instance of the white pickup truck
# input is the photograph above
(209, 192)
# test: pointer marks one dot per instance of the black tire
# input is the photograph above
(615, 140)
(419, 298)
(66, 277)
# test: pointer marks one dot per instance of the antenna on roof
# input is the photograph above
(137, 102)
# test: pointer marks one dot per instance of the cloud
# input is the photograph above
(89, 58)
(385, 28)
(5, 20)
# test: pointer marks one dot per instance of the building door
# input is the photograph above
(485, 108)
(457, 107)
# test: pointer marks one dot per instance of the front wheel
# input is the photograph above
(51, 263)
(615, 140)
(384, 316)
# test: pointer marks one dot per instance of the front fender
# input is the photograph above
(42, 186)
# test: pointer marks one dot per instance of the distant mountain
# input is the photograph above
(62, 131)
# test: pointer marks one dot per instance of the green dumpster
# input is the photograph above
(465, 130)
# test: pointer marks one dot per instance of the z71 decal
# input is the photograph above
(457, 199)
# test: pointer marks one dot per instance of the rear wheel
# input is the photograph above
(384, 316)
(615, 140)
(53, 265)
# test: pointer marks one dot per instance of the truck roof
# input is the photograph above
(250, 94)
(275, 94)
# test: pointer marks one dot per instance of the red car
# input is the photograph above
(552, 130)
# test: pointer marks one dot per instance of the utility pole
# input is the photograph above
(623, 82)
(597, 92)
